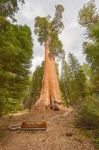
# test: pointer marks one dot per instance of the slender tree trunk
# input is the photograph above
(50, 95)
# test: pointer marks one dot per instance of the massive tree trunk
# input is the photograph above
(50, 96)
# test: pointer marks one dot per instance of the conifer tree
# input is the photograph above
(47, 31)
(89, 19)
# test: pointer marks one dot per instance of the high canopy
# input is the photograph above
(48, 30)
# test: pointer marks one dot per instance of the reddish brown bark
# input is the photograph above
(45, 91)
(50, 95)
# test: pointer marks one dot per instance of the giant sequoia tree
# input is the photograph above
(47, 31)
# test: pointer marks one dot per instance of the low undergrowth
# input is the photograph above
(88, 118)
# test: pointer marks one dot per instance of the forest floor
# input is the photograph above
(61, 134)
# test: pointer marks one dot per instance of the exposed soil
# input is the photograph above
(61, 133)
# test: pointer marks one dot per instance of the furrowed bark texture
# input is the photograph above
(50, 95)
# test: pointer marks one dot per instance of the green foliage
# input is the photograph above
(33, 91)
(88, 118)
(73, 81)
(9, 7)
(89, 109)
(95, 140)
(55, 45)
(7, 10)
(91, 46)
(37, 83)
(42, 28)
(65, 81)
(89, 113)
(74, 64)
(12, 70)
(15, 61)
(57, 24)
(78, 78)
(92, 54)
(88, 14)
(81, 82)
(48, 30)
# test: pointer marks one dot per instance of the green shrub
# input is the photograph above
(89, 113)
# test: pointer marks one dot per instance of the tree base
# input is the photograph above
(55, 107)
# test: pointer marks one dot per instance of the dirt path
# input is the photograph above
(61, 133)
